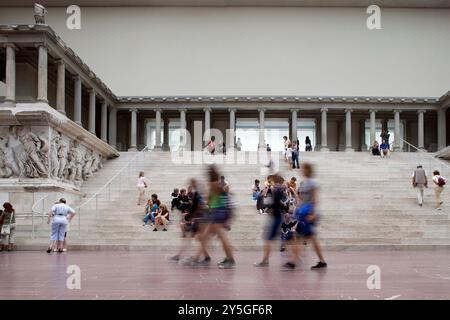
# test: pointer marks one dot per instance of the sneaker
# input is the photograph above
(205, 262)
(190, 262)
(64, 250)
(155, 229)
(420, 204)
(261, 264)
(282, 249)
(175, 258)
(289, 266)
(48, 250)
(319, 265)
(227, 265)
(225, 260)
(438, 208)
(164, 229)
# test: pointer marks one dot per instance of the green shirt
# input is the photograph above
(7, 216)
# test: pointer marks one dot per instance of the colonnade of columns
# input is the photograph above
(294, 125)
(42, 92)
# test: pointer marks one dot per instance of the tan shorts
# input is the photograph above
(141, 189)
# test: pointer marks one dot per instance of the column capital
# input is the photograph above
(421, 111)
(135, 110)
(157, 110)
(348, 110)
(76, 77)
(60, 62)
(396, 111)
(207, 109)
(262, 109)
(91, 91)
(41, 44)
(10, 45)
(232, 109)
(293, 110)
(323, 109)
(373, 110)
(104, 102)
(182, 109)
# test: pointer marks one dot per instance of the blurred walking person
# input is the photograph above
(220, 218)
(274, 226)
(306, 216)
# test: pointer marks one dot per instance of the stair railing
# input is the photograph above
(427, 160)
(121, 177)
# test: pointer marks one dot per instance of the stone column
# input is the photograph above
(397, 142)
(92, 111)
(42, 74)
(158, 129)
(61, 87)
(77, 100)
(442, 130)
(10, 74)
(348, 130)
(231, 143)
(207, 122)
(133, 140)
(182, 128)
(113, 127)
(420, 131)
(104, 128)
(324, 142)
(165, 145)
(294, 125)
(262, 138)
(372, 127)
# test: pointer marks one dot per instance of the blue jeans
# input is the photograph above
(295, 160)
(149, 216)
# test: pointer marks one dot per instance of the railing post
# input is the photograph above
(79, 222)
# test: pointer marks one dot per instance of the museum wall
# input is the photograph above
(259, 51)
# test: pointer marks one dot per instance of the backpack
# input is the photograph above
(441, 182)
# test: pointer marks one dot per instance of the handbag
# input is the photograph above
(6, 228)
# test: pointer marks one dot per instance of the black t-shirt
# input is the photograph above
(277, 193)
(287, 226)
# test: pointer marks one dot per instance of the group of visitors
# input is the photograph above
(292, 210)
(156, 213)
(291, 153)
(420, 182)
(205, 217)
(263, 195)
(382, 150)
(7, 227)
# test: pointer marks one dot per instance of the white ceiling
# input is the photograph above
(278, 3)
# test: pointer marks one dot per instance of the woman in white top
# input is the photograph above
(439, 182)
(289, 155)
(141, 186)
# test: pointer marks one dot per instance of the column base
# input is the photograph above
(165, 148)
(422, 149)
(42, 100)
(398, 149)
(157, 148)
(105, 140)
(93, 132)
(349, 149)
(9, 103)
(63, 112)
(324, 149)
(79, 123)
(132, 149)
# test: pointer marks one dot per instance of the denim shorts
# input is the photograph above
(273, 228)
(220, 215)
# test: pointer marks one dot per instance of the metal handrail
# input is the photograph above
(426, 154)
(106, 185)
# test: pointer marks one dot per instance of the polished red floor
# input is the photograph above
(149, 275)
